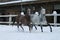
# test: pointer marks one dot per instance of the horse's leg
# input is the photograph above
(41, 28)
(13, 21)
(21, 27)
(30, 27)
(18, 26)
(50, 27)
(35, 26)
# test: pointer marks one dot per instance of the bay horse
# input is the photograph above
(23, 19)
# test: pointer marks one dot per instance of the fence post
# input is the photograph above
(55, 20)
(10, 18)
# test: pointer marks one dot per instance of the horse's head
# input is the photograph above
(43, 10)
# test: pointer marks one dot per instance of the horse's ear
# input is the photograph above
(43, 11)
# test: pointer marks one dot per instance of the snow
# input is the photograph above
(11, 33)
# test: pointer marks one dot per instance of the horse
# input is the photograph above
(23, 19)
(35, 18)
(31, 16)
(43, 21)
(40, 20)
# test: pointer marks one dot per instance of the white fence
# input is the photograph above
(10, 18)
(55, 19)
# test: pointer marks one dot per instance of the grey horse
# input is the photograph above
(40, 19)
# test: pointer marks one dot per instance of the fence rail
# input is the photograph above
(10, 18)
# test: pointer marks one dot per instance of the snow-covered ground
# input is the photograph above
(11, 33)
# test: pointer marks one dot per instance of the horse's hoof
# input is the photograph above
(41, 31)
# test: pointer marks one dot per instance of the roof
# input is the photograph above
(25, 2)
